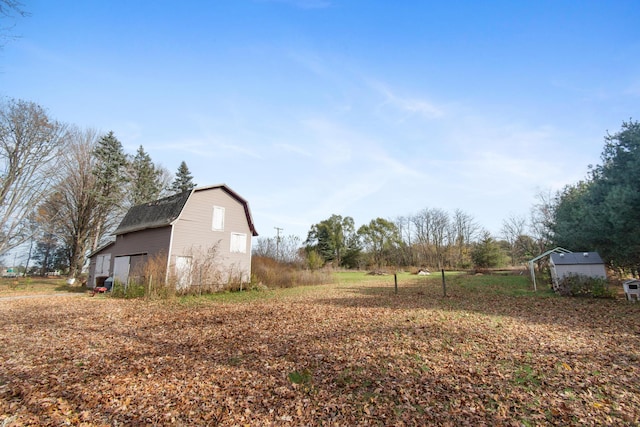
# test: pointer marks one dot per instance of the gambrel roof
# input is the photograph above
(163, 212)
(158, 213)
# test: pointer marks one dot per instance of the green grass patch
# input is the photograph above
(36, 285)
(500, 284)
(457, 282)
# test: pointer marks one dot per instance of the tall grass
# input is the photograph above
(151, 280)
(273, 274)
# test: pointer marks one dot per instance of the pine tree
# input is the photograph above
(145, 179)
(183, 180)
(111, 179)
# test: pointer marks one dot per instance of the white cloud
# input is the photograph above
(244, 150)
(407, 105)
(291, 148)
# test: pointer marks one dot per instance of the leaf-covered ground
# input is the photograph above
(346, 354)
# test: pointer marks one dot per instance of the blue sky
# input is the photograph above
(309, 108)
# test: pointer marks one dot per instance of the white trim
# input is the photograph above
(168, 270)
(532, 268)
(172, 225)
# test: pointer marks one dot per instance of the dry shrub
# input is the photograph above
(274, 274)
(205, 276)
(576, 285)
(152, 276)
(234, 279)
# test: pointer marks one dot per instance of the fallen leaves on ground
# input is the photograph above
(331, 355)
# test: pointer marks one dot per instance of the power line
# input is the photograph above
(278, 230)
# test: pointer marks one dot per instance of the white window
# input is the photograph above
(218, 219)
(239, 242)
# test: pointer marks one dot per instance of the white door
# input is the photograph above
(183, 271)
(121, 269)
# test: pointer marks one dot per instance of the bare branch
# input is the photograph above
(30, 146)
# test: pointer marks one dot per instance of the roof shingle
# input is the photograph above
(158, 213)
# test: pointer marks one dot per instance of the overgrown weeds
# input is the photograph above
(274, 274)
(583, 286)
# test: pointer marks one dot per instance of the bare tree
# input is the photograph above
(542, 216)
(431, 227)
(70, 211)
(440, 227)
(464, 231)
(165, 178)
(422, 226)
(286, 249)
(30, 144)
(406, 253)
(9, 9)
(512, 229)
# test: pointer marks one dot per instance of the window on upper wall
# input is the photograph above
(218, 219)
(238, 243)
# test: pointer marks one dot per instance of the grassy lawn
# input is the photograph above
(492, 352)
(36, 285)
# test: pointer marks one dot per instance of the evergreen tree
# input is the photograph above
(183, 180)
(111, 179)
(602, 213)
(145, 179)
(335, 240)
(45, 249)
(487, 252)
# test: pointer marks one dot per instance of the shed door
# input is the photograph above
(102, 265)
(121, 269)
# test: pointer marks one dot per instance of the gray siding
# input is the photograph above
(560, 271)
(589, 270)
(151, 242)
(193, 231)
(91, 279)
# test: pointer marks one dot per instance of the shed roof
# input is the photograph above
(101, 248)
(574, 258)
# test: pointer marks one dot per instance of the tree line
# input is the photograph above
(430, 239)
(64, 189)
(601, 213)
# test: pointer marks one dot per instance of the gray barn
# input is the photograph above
(175, 228)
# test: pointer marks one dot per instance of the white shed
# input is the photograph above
(579, 263)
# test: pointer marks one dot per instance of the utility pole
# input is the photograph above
(278, 230)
